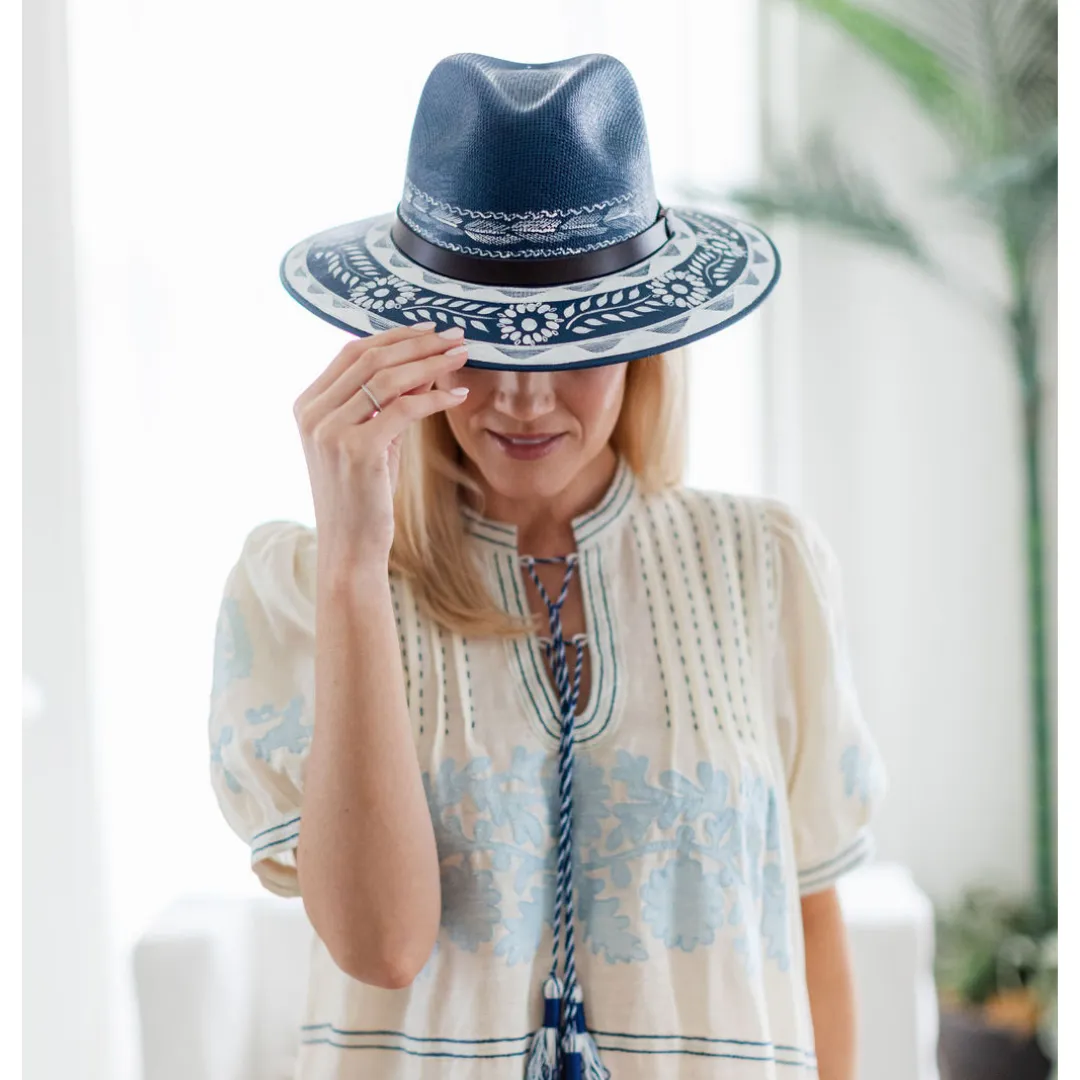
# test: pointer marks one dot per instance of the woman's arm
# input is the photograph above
(369, 873)
(829, 980)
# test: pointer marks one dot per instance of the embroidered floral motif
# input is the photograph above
(232, 647)
(774, 922)
(716, 261)
(383, 294)
(680, 289)
(473, 900)
(528, 324)
(290, 736)
(224, 738)
(711, 845)
(862, 773)
(683, 904)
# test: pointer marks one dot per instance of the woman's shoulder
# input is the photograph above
(750, 516)
(277, 565)
(758, 536)
(273, 576)
(277, 549)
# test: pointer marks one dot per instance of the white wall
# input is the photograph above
(64, 1010)
(901, 437)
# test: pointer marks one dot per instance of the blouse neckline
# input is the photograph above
(589, 528)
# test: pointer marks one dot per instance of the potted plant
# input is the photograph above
(984, 73)
(996, 968)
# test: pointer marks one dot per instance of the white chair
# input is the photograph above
(221, 983)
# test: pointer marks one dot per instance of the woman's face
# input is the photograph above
(530, 433)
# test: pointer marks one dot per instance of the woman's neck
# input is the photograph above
(544, 526)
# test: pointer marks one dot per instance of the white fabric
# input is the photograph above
(221, 981)
(722, 768)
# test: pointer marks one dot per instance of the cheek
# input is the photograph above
(599, 394)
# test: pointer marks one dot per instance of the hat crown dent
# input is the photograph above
(493, 137)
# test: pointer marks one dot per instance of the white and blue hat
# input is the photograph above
(529, 218)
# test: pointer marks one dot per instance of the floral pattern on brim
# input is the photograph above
(679, 288)
(529, 324)
(383, 294)
(713, 265)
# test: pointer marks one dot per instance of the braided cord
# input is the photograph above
(568, 688)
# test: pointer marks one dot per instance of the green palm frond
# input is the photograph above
(821, 188)
(1024, 37)
(1003, 51)
(927, 72)
(1017, 189)
(1033, 166)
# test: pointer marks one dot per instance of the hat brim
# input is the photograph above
(712, 272)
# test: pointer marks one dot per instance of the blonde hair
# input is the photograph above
(429, 549)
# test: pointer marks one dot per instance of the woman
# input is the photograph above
(583, 737)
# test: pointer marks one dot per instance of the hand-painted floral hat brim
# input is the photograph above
(710, 273)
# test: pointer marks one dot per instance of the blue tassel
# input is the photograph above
(591, 1065)
(543, 1060)
(571, 1057)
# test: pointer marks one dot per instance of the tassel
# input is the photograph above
(591, 1065)
(543, 1059)
(571, 1056)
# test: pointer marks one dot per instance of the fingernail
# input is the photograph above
(453, 332)
(457, 351)
(460, 391)
(424, 326)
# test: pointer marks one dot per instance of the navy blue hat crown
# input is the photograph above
(527, 162)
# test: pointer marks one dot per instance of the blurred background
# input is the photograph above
(900, 387)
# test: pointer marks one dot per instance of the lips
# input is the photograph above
(526, 440)
(527, 447)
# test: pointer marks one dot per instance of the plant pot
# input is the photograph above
(969, 1049)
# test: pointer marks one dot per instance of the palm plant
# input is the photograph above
(984, 73)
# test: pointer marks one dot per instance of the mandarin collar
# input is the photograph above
(589, 528)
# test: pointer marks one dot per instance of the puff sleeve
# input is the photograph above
(835, 777)
(262, 695)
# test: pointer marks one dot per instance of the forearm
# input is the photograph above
(368, 866)
(829, 981)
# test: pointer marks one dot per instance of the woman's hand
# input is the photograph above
(353, 453)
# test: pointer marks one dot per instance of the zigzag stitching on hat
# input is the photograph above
(411, 191)
(528, 253)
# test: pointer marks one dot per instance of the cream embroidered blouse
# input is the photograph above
(722, 769)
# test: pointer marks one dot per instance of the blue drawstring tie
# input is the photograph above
(563, 1049)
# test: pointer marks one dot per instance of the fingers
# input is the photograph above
(378, 367)
(391, 383)
(397, 416)
(358, 362)
(354, 349)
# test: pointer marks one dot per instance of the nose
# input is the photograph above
(525, 395)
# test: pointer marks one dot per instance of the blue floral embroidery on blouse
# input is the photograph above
(291, 734)
(225, 736)
(774, 921)
(232, 647)
(861, 776)
(713, 847)
(474, 901)
(683, 904)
